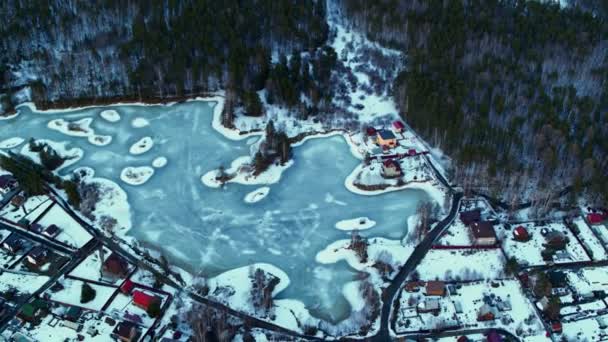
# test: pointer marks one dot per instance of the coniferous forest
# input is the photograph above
(514, 91)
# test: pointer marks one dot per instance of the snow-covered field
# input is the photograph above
(457, 265)
(24, 283)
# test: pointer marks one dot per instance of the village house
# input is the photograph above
(13, 243)
(115, 267)
(37, 256)
(144, 300)
(127, 286)
(413, 286)
(471, 216)
(51, 231)
(429, 305)
(126, 332)
(435, 288)
(72, 314)
(391, 169)
(486, 313)
(521, 234)
(483, 233)
(386, 138)
(398, 126)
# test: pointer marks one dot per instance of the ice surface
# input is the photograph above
(213, 230)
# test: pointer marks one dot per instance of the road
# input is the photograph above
(410, 265)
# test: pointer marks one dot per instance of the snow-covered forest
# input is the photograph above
(515, 91)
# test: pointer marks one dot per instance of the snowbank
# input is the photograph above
(11, 142)
(110, 115)
(71, 155)
(142, 146)
(241, 172)
(359, 223)
(136, 175)
(257, 195)
(159, 162)
(139, 122)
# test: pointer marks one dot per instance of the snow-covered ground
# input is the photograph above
(457, 265)
(136, 175)
(11, 142)
(110, 115)
(461, 308)
(71, 154)
(91, 267)
(358, 223)
(591, 241)
(71, 232)
(31, 209)
(456, 235)
(80, 128)
(142, 146)
(59, 332)
(257, 195)
(71, 294)
(24, 283)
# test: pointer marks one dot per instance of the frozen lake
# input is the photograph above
(212, 230)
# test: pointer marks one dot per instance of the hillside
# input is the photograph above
(516, 92)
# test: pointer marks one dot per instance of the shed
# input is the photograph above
(115, 266)
(126, 332)
(127, 286)
(38, 255)
(521, 234)
(595, 218)
(398, 126)
(51, 231)
(18, 200)
(371, 131)
(13, 243)
(72, 314)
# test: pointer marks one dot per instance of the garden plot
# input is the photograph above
(28, 210)
(586, 280)
(72, 233)
(462, 264)
(91, 267)
(509, 307)
(71, 294)
(47, 330)
(456, 235)
(591, 241)
(529, 253)
(24, 283)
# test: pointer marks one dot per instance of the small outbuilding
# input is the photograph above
(126, 332)
(38, 256)
(595, 218)
(51, 231)
(471, 216)
(398, 126)
(115, 267)
(144, 300)
(521, 234)
(13, 243)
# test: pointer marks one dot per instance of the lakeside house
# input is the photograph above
(430, 305)
(486, 313)
(596, 218)
(391, 169)
(483, 233)
(386, 138)
(127, 287)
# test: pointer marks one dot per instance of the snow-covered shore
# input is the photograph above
(241, 172)
(71, 155)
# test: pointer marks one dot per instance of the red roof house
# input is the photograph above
(556, 327)
(127, 286)
(411, 151)
(521, 234)
(398, 125)
(595, 218)
(371, 131)
(144, 300)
